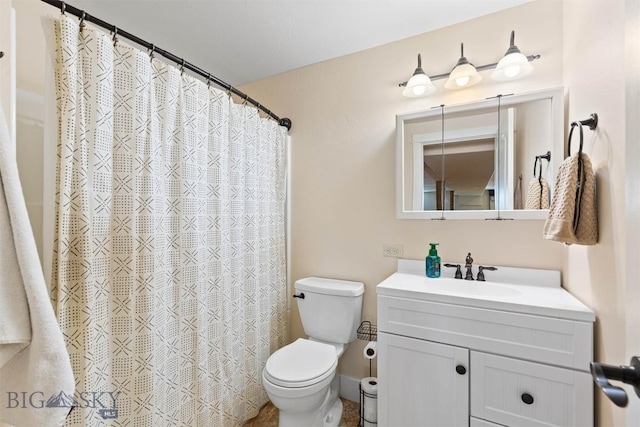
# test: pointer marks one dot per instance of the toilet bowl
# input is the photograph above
(300, 378)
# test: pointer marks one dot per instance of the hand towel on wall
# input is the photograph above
(573, 213)
(537, 194)
(42, 368)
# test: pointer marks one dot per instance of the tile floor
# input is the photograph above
(268, 416)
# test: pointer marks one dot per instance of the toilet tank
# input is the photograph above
(331, 309)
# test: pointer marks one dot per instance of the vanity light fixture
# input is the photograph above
(513, 65)
(419, 84)
(464, 74)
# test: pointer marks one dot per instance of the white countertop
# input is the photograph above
(545, 299)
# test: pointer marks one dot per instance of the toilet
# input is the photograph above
(300, 378)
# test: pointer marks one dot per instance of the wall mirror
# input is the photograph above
(473, 168)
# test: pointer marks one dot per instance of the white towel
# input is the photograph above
(41, 369)
(15, 325)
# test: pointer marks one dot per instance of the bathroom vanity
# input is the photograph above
(512, 351)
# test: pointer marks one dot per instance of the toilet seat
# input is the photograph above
(301, 364)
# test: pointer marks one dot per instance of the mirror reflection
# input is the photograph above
(481, 163)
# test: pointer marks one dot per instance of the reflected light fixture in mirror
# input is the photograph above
(464, 73)
(419, 84)
(513, 65)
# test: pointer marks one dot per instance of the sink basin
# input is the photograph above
(473, 287)
(520, 290)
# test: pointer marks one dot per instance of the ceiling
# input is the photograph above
(241, 41)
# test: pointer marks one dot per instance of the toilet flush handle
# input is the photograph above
(300, 295)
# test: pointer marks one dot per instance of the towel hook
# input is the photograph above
(546, 156)
(573, 126)
(592, 121)
(535, 166)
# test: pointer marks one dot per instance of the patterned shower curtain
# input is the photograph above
(169, 260)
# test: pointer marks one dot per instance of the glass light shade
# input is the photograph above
(418, 85)
(464, 75)
(512, 66)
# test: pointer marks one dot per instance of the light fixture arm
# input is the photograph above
(512, 45)
(419, 70)
(462, 59)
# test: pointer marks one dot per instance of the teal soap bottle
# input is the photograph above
(433, 262)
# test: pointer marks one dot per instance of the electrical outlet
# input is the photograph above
(392, 250)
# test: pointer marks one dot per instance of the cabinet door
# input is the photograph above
(477, 422)
(526, 394)
(421, 383)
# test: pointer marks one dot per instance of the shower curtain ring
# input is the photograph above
(63, 7)
(244, 99)
(152, 51)
(115, 36)
(82, 24)
(208, 79)
(182, 67)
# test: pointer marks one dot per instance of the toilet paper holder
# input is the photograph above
(367, 331)
(368, 410)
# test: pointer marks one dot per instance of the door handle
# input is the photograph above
(630, 374)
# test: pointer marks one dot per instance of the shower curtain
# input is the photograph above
(169, 262)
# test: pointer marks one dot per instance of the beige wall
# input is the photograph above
(343, 154)
(632, 191)
(594, 76)
(30, 60)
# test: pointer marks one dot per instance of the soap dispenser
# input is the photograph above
(433, 262)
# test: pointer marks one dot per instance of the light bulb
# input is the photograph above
(512, 71)
(462, 81)
(464, 74)
(513, 64)
(419, 90)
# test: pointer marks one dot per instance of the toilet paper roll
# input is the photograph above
(370, 351)
(369, 388)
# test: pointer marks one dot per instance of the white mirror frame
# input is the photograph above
(557, 154)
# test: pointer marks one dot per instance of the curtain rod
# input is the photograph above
(64, 7)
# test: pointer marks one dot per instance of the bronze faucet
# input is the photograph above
(481, 269)
(468, 265)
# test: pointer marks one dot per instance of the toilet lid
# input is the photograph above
(301, 363)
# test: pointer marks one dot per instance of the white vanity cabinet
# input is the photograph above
(446, 359)
(421, 383)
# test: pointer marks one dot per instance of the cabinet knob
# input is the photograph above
(461, 369)
(527, 398)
